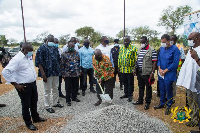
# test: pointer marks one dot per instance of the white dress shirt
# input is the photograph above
(65, 48)
(105, 50)
(187, 75)
(60, 51)
(20, 69)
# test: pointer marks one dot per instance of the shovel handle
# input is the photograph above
(100, 87)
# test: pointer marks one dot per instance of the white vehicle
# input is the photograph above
(14, 51)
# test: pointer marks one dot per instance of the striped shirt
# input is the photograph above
(141, 56)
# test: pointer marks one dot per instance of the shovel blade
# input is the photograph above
(105, 97)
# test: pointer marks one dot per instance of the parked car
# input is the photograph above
(7, 49)
(14, 51)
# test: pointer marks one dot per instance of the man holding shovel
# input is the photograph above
(104, 72)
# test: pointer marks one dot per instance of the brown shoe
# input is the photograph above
(97, 103)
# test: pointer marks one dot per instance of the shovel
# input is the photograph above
(104, 97)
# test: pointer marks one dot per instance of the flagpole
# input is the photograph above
(23, 21)
(124, 20)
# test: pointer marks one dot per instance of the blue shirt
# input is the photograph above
(168, 59)
(86, 57)
(49, 58)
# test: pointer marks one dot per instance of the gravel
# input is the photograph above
(83, 108)
(115, 119)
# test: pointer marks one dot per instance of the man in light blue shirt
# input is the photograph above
(86, 53)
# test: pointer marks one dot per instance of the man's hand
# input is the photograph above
(19, 87)
(151, 76)
(99, 81)
(161, 72)
(164, 72)
(134, 73)
(118, 70)
(44, 78)
(194, 54)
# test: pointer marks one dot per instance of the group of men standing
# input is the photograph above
(73, 64)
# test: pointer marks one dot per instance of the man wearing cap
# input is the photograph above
(145, 69)
(114, 54)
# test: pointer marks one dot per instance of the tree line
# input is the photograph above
(170, 18)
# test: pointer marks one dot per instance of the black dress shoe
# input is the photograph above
(159, 106)
(58, 105)
(124, 96)
(50, 110)
(146, 107)
(62, 96)
(2, 105)
(39, 120)
(69, 104)
(83, 93)
(31, 127)
(130, 99)
(138, 103)
(77, 100)
(168, 111)
(93, 91)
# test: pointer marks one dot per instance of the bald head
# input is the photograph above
(27, 47)
(98, 54)
(193, 34)
(195, 37)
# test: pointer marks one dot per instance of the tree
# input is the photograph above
(121, 33)
(3, 40)
(63, 39)
(173, 19)
(138, 32)
(12, 41)
(84, 32)
(96, 37)
(42, 36)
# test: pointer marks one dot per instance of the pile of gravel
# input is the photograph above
(115, 119)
